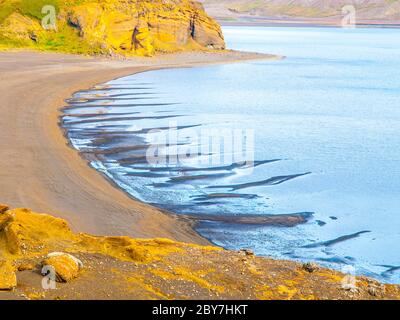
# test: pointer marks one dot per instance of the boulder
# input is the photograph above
(65, 266)
(8, 278)
(310, 267)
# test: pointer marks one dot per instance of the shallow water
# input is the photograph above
(326, 124)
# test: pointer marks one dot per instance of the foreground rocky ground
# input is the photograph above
(125, 268)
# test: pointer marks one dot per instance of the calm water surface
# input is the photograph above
(326, 122)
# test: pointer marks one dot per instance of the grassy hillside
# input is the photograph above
(126, 27)
(15, 31)
(25, 7)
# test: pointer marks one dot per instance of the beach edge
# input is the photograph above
(34, 86)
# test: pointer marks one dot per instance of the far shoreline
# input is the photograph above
(302, 23)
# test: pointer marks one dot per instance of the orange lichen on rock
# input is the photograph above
(65, 266)
(24, 233)
(190, 275)
(127, 249)
(8, 278)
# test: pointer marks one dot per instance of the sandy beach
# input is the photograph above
(40, 171)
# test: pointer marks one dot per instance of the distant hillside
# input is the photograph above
(386, 11)
(126, 27)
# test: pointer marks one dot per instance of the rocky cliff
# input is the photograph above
(128, 27)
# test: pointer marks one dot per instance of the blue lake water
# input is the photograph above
(326, 128)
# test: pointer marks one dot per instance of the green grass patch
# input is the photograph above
(65, 39)
(33, 8)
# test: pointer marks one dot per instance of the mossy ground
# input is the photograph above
(26, 7)
(65, 39)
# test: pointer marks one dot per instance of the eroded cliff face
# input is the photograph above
(146, 27)
(128, 27)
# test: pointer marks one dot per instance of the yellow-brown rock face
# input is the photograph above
(146, 27)
(17, 26)
(127, 27)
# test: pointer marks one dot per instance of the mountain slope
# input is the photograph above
(373, 10)
(128, 27)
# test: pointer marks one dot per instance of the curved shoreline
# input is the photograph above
(38, 168)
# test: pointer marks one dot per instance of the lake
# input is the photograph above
(314, 137)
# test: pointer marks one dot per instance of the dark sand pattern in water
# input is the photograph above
(114, 137)
(336, 241)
